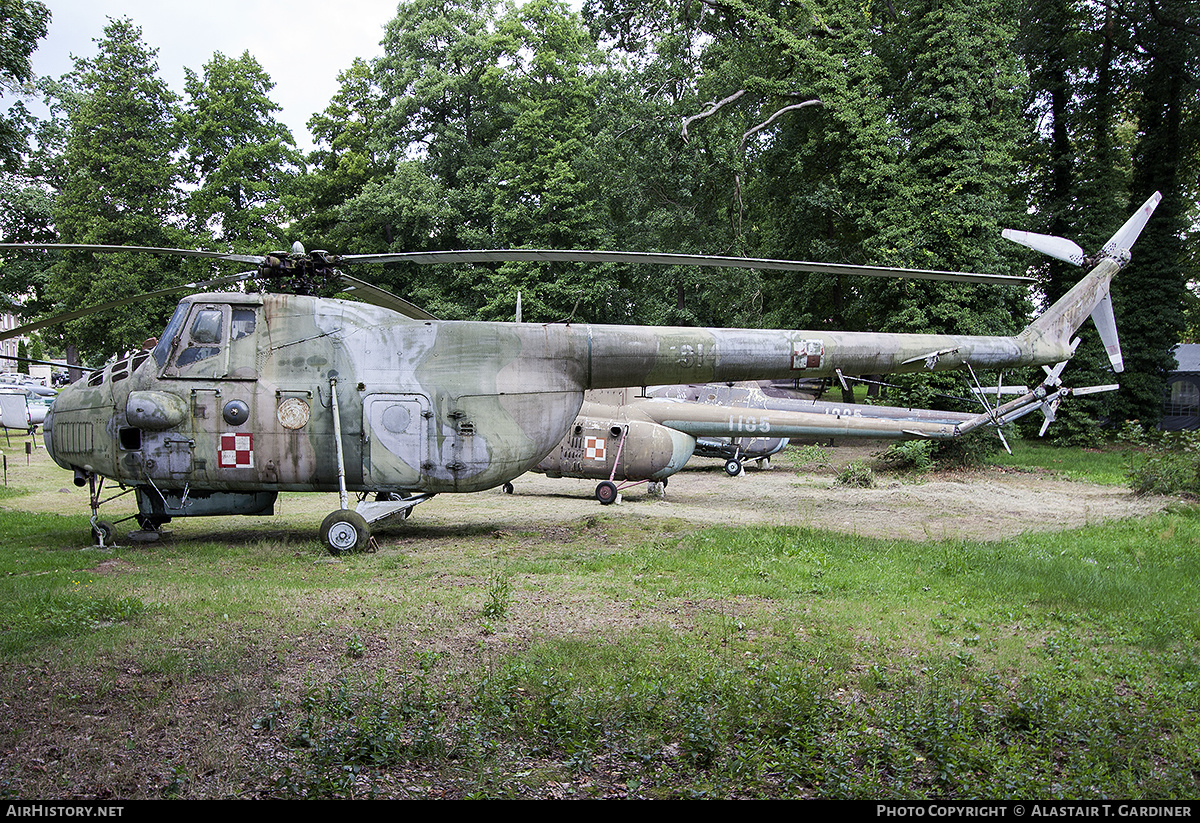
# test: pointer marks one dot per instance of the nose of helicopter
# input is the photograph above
(47, 432)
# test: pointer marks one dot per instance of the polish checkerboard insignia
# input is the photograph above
(593, 448)
(237, 451)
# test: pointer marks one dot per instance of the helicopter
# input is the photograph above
(245, 395)
(627, 437)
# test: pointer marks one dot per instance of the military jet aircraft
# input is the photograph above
(247, 395)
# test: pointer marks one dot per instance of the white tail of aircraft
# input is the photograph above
(1091, 295)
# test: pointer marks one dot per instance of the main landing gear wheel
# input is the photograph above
(607, 492)
(345, 531)
(104, 532)
(733, 467)
(508, 488)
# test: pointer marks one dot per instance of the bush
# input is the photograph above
(856, 475)
(911, 455)
(1169, 464)
(968, 452)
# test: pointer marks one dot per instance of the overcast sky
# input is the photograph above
(302, 44)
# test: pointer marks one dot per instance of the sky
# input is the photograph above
(302, 44)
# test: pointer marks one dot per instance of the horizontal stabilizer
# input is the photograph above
(1060, 248)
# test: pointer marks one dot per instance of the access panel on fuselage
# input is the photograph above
(396, 433)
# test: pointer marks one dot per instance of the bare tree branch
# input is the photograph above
(711, 111)
(774, 117)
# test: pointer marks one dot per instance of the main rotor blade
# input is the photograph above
(384, 298)
(124, 301)
(32, 362)
(251, 259)
(717, 261)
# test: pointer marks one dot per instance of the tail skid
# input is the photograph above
(1090, 296)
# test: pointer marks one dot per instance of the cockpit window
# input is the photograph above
(206, 328)
(242, 324)
(214, 340)
(165, 343)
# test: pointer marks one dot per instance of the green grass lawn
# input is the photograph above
(1108, 466)
(599, 655)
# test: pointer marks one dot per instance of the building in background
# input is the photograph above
(1181, 404)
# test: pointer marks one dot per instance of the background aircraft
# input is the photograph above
(625, 437)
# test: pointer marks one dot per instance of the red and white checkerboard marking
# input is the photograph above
(237, 451)
(593, 448)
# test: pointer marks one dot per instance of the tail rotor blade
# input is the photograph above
(1128, 234)
(1060, 248)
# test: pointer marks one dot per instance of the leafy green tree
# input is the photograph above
(542, 198)
(240, 157)
(345, 160)
(22, 24)
(1149, 296)
(484, 142)
(120, 188)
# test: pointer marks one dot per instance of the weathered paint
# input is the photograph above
(431, 406)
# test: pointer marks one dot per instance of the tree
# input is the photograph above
(1113, 118)
(22, 24)
(1149, 298)
(239, 156)
(345, 160)
(120, 188)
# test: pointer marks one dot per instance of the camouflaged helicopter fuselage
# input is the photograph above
(237, 395)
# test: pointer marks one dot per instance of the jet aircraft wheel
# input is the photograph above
(104, 532)
(733, 467)
(508, 488)
(344, 532)
(606, 492)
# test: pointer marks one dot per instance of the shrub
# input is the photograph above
(911, 455)
(1170, 463)
(856, 475)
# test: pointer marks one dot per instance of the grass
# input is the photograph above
(1057, 667)
(1108, 466)
(603, 657)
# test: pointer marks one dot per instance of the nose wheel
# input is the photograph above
(104, 532)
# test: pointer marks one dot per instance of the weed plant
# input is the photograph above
(856, 475)
(909, 456)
